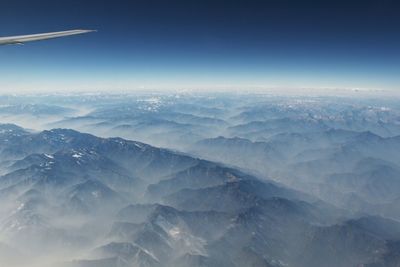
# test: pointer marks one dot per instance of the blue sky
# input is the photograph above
(202, 44)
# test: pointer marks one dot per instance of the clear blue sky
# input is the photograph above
(202, 44)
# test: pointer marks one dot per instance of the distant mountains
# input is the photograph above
(244, 180)
(349, 169)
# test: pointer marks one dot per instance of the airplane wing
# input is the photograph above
(21, 39)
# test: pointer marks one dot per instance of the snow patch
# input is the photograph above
(77, 155)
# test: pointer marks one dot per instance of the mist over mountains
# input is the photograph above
(199, 180)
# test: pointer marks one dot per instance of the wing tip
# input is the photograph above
(86, 30)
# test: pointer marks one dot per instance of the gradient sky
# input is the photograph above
(202, 44)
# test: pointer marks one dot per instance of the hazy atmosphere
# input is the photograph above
(199, 133)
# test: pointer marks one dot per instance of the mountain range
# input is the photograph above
(269, 182)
